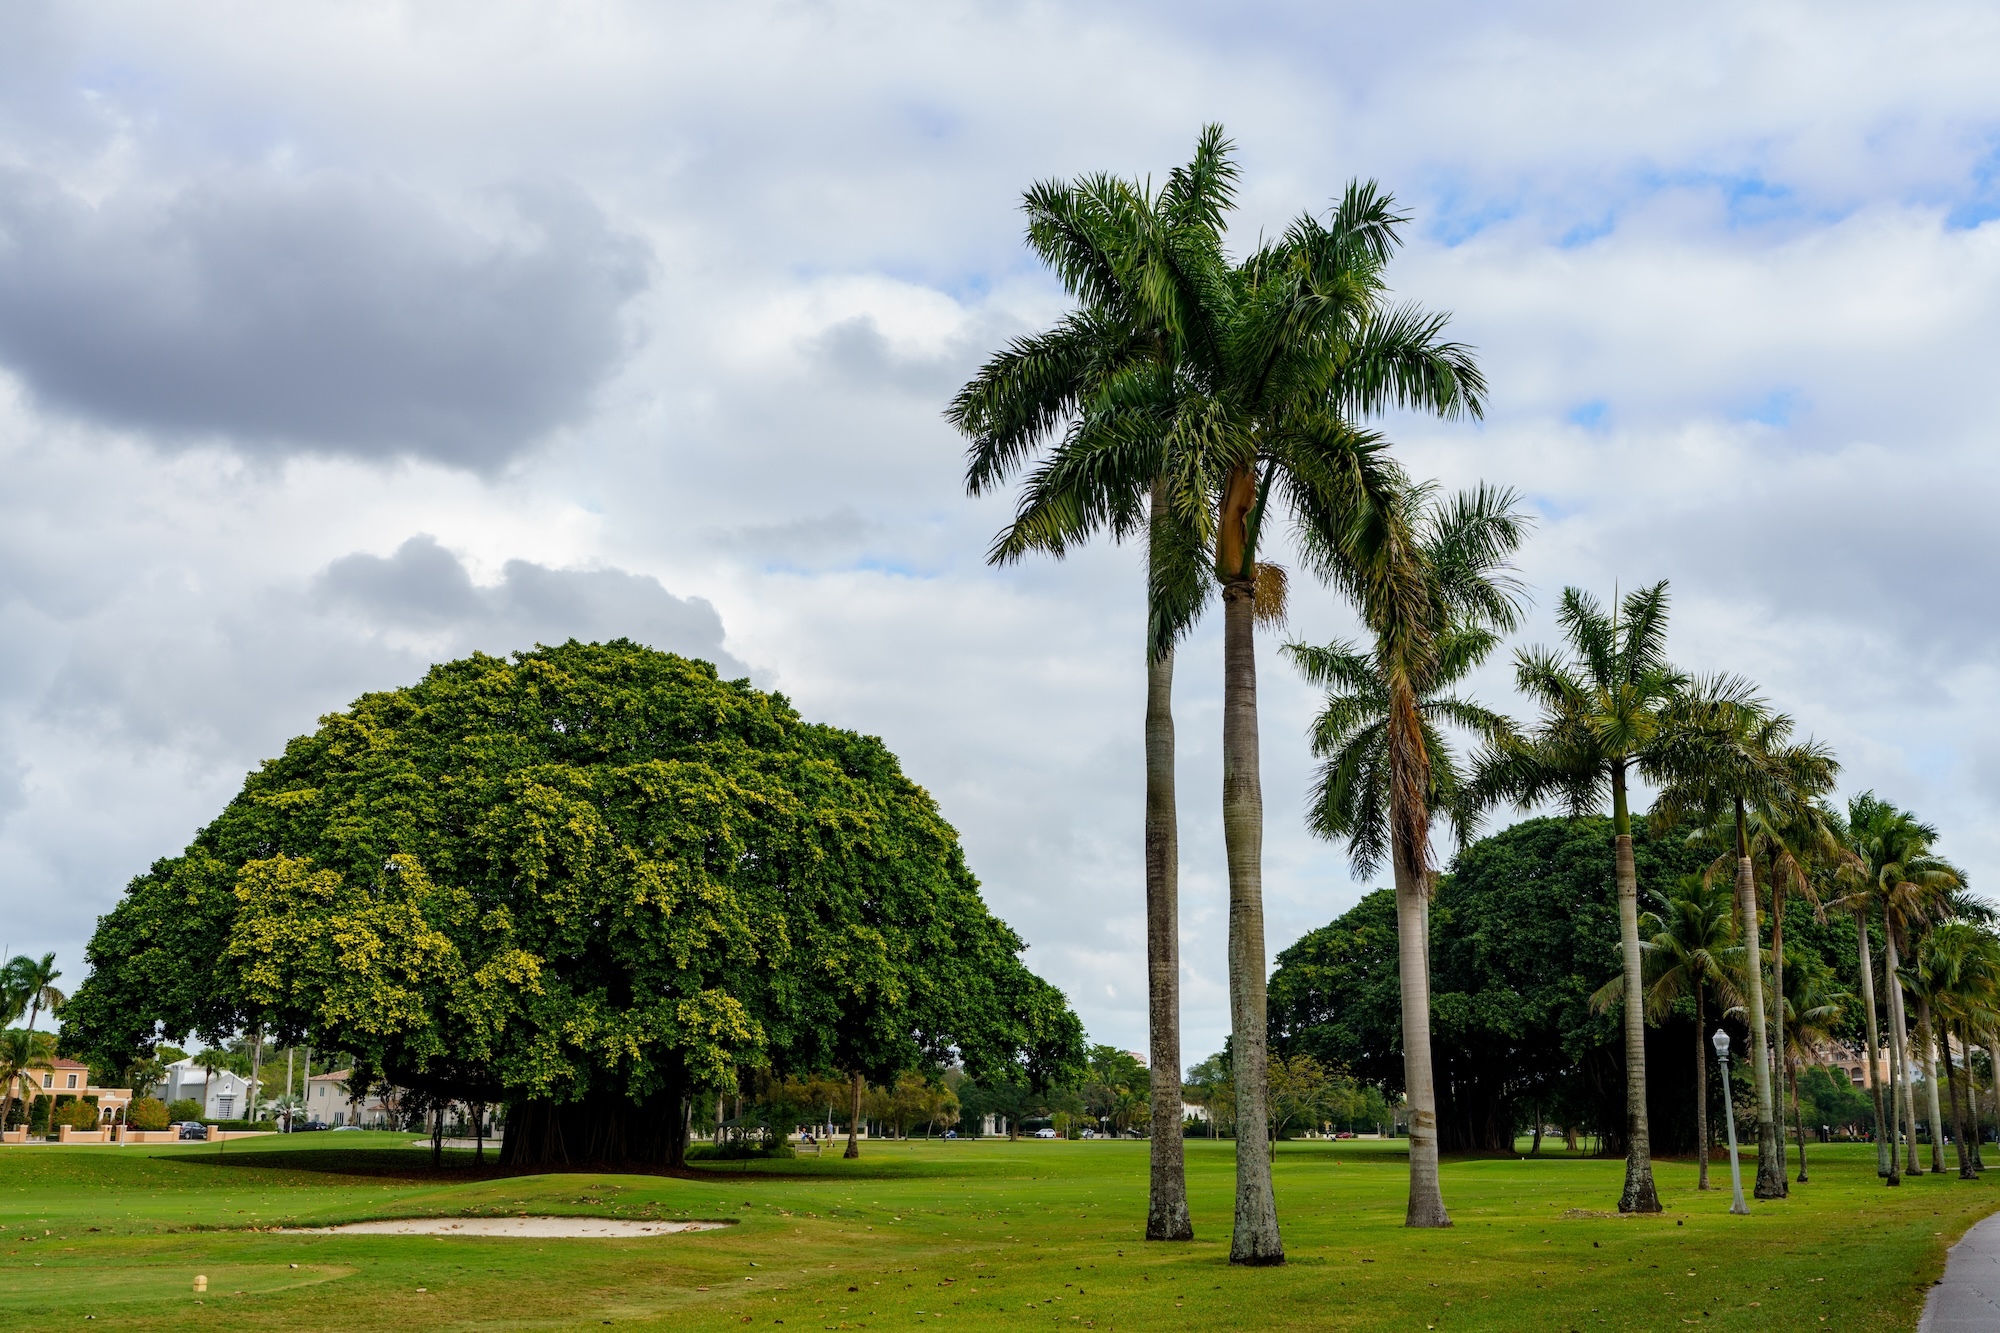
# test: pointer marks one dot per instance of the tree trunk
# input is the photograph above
(1778, 1059)
(1798, 1117)
(1426, 1207)
(1896, 1108)
(1167, 1215)
(256, 1068)
(1929, 1043)
(1255, 1239)
(1639, 1194)
(1899, 1039)
(1770, 1174)
(1885, 1155)
(854, 1118)
(1971, 1101)
(1954, 1089)
(1701, 1080)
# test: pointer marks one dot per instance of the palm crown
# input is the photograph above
(1462, 547)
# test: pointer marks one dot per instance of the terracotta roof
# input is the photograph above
(68, 1064)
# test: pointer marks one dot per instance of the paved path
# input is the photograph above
(1967, 1300)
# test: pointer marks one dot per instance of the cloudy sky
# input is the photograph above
(337, 339)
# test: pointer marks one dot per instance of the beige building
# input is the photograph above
(67, 1078)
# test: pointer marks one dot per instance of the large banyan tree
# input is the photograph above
(589, 882)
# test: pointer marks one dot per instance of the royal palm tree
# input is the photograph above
(1689, 946)
(1958, 977)
(1281, 356)
(1130, 258)
(36, 978)
(1468, 597)
(1723, 750)
(1600, 710)
(1793, 852)
(1896, 874)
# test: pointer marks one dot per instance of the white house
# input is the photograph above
(226, 1096)
(327, 1102)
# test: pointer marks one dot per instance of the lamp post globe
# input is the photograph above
(1721, 1042)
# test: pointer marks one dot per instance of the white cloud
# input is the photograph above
(296, 296)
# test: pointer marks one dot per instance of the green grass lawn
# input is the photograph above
(976, 1234)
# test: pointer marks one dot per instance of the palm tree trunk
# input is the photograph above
(1885, 1155)
(1955, 1089)
(1971, 1101)
(1639, 1195)
(1897, 1106)
(1167, 1209)
(256, 1064)
(1993, 1055)
(1426, 1207)
(1899, 1036)
(1255, 1239)
(1778, 1060)
(1770, 1174)
(1798, 1118)
(1701, 1082)
(853, 1119)
(1930, 1043)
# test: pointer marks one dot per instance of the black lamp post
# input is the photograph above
(1721, 1040)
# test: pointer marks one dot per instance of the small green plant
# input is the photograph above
(184, 1108)
(147, 1113)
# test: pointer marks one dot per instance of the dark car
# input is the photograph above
(192, 1129)
(309, 1126)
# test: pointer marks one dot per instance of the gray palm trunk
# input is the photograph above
(1255, 1239)
(1896, 1108)
(256, 1067)
(1930, 1045)
(1426, 1207)
(1798, 1114)
(1885, 1157)
(1770, 1171)
(1167, 1209)
(1972, 1102)
(1899, 1030)
(1778, 1013)
(1955, 1090)
(1639, 1194)
(1701, 1083)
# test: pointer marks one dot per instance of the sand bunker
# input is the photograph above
(530, 1228)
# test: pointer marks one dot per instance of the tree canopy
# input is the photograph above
(593, 873)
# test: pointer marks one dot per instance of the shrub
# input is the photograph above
(76, 1114)
(738, 1150)
(186, 1108)
(147, 1113)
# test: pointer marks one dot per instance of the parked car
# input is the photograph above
(1345, 1134)
(951, 1133)
(340, 1129)
(1045, 1134)
(192, 1129)
(309, 1126)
